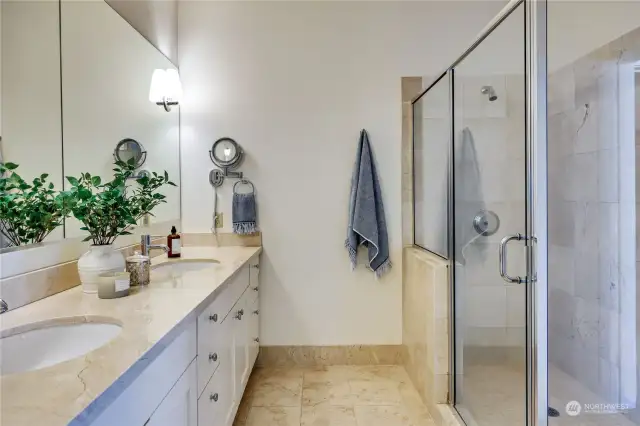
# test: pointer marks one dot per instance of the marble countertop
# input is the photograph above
(151, 317)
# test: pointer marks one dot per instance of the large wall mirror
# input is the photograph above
(75, 95)
(30, 98)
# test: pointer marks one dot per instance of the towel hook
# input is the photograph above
(244, 182)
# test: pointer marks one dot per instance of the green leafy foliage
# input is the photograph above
(28, 211)
(109, 209)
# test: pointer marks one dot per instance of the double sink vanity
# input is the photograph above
(177, 352)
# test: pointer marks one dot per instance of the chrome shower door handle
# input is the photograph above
(502, 255)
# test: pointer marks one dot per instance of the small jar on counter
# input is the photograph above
(139, 267)
(112, 285)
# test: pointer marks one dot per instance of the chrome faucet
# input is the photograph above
(3, 306)
(146, 246)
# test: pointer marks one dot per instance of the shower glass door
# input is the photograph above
(489, 193)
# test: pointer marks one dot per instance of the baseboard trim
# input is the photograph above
(312, 356)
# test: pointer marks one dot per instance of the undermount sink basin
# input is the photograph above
(47, 344)
(186, 265)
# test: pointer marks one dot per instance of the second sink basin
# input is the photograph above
(186, 265)
(47, 344)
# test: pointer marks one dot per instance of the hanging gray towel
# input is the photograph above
(367, 224)
(469, 198)
(244, 212)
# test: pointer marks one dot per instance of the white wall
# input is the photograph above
(293, 83)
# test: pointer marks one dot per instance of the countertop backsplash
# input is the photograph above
(32, 286)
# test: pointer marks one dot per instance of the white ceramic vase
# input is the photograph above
(98, 260)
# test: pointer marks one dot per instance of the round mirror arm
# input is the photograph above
(227, 166)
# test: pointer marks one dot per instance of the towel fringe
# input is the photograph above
(245, 228)
(386, 265)
(353, 254)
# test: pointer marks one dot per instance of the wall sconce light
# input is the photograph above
(166, 89)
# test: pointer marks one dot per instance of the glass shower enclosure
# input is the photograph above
(488, 206)
(534, 136)
(479, 119)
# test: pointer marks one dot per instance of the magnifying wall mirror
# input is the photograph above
(128, 149)
(226, 153)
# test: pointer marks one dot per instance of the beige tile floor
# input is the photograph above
(332, 396)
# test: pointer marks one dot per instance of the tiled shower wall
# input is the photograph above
(592, 214)
(491, 310)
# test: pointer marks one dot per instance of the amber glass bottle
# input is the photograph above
(173, 242)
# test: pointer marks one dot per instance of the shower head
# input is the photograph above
(490, 92)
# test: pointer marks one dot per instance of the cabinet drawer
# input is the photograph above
(214, 352)
(254, 333)
(213, 335)
(221, 305)
(254, 277)
(208, 361)
(216, 402)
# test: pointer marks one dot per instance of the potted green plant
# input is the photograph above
(108, 210)
(28, 211)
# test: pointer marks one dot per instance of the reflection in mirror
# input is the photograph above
(130, 150)
(30, 111)
(106, 77)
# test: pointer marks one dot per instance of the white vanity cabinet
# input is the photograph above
(199, 378)
(235, 340)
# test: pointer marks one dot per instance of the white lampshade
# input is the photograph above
(156, 90)
(165, 85)
(173, 85)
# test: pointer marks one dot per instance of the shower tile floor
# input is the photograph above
(332, 396)
(494, 396)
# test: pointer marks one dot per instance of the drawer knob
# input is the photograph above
(213, 397)
(213, 357)
(255, 289)
(257, 266)
(257, 340)
(256, 312)
(213, 317)
(240, 314)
